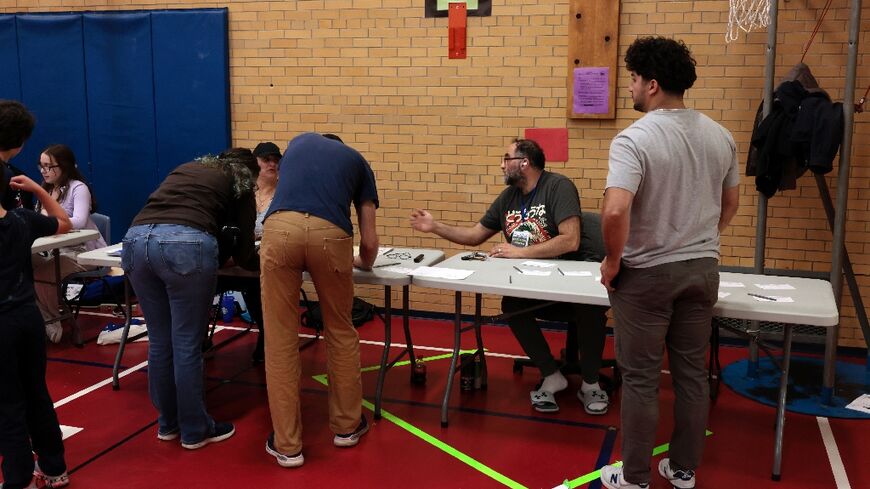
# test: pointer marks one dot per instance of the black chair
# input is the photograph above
(591, 249)
(85, 279)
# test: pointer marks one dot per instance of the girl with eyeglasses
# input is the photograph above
(65, 184)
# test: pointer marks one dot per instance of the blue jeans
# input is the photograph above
(173, 270)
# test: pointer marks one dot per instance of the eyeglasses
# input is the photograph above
(46, 169)
(398, 255)
(474, 255)
(508, 158)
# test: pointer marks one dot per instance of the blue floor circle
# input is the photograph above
(804, 386)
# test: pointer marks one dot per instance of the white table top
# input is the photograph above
(72, 238)
(377, 276)
(813, 299)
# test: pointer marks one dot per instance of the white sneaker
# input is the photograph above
(612, 478)
(681, 479)
(54, 331)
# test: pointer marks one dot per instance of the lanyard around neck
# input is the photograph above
(525, 203)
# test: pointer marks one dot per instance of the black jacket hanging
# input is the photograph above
(803, 131)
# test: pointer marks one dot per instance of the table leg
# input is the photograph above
(457, 345)
(478, 299)
(128, 313)
(76, 331)
(780, 407)
(754, 334)
(382, 372)
(406, 325)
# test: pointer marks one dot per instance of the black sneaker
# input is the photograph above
(288, 461)
(168, 435)
(352, 439)
(222, 431)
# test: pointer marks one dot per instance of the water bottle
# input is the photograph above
(466, 374)
(418, 374)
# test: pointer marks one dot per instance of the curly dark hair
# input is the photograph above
(16, 124)
(236, 164)
(244, 156)
(531, 150)
(667, 61)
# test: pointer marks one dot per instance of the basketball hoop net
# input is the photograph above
(746, 15)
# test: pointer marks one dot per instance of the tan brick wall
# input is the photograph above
(377, 73)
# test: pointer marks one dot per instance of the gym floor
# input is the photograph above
(494, 439)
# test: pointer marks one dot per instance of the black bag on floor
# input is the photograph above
(361, 313)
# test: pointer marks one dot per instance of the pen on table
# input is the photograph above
(510, 279)
(517, 269)
(387, 264)
(762, 296)
(560, 271)
(418, 258)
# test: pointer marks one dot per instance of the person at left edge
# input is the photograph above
(171, 256)
(28, 422)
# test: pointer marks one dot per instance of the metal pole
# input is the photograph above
(842, 197)
(761, 214)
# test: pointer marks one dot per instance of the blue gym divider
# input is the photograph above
(133, 93)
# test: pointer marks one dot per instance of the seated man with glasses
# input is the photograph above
(539, 216)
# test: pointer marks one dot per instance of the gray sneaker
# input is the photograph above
(681, 479)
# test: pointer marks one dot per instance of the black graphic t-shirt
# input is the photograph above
(533, 218)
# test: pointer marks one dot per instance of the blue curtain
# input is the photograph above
(134, 94)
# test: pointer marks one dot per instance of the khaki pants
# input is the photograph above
(294, 242)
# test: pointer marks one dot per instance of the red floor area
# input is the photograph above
(495, 438)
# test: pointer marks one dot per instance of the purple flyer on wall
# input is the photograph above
(591, 90)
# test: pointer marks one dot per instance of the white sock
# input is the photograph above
(554, 382)
(586, 387)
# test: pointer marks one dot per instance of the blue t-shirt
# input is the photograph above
(322, 177)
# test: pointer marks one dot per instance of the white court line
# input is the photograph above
(396, 345)
(88, 390)
(837, 467)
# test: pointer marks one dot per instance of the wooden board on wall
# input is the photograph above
(593, 34)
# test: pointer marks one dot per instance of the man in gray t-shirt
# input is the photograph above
(539, 216)
(672, 187)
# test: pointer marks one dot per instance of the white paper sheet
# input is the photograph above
(774, 286)
(539, 264)
(438, 272)
(862, 403)
(398, 269)
(725, 285)
(577, 273)
(723, 295)
(536, 273)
